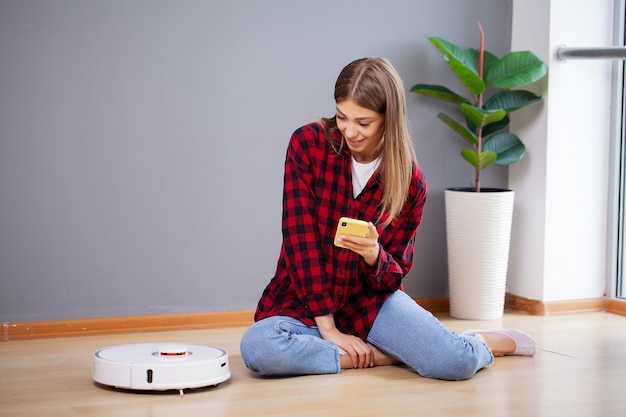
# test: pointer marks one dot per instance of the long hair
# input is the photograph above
(374, 84)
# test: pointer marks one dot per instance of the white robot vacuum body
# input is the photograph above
(160, 367)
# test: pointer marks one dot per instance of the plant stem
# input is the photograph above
(479, 143)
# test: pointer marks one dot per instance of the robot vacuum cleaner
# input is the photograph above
(160, 367)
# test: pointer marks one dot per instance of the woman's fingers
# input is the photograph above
(361, 354)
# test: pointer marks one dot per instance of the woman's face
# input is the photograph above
(362, 129)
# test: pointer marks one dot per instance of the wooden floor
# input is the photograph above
(579, 370)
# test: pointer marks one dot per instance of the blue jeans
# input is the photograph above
(285, 346)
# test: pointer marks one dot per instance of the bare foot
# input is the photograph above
(380, 358)
(499, 344)
(345, 361)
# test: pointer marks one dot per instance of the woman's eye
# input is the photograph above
(364, 124)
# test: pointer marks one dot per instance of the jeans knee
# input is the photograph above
(261, 349)
(459, 373)
(453, 369)
(285, 346)
(251, 353)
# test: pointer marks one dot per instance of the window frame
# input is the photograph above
(616, 246)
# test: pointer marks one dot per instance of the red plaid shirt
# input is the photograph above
(314, 277)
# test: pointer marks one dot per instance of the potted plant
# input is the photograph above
(478, 219)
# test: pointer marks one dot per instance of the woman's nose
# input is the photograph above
(350, 132)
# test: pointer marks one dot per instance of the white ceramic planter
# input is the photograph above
(478, 229)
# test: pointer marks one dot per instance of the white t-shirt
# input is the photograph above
(361, 173)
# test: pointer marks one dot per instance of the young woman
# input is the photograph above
(330, 308)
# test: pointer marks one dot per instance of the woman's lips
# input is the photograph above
(354, 142)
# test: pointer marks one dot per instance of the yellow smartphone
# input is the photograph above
(348, 226)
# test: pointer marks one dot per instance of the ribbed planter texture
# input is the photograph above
(478, 231)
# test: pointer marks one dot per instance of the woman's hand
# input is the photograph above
(366, 246)
(360, 353)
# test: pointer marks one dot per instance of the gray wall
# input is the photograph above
(142, 141)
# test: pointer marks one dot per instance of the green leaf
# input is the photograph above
(490, 128)
(515, 70)
(482, 117)
(507, 146)
(458, 128)
(511, 100)
(467, 57)
(440, 92)
(479, 162)
(463, 62)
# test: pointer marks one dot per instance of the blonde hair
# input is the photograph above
(374, 84)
